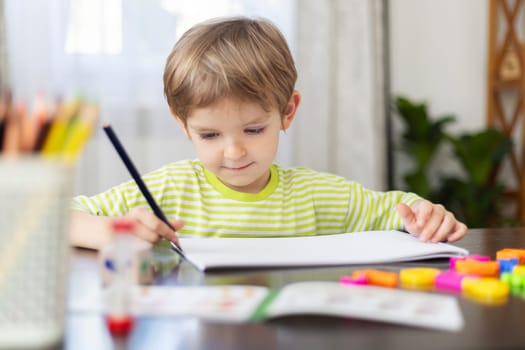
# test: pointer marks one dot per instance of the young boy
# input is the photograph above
(230, 85)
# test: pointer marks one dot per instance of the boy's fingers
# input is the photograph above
(423, 210)
(167, 232)
(142, 231)
(446, 227)
(147, 235)
(155, 227)
(431, 221)
(407, 215)
(172, 237)
(431, 228)
(177, 225)
(461, 230)
(440, 223)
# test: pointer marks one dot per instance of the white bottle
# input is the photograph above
(119, 318)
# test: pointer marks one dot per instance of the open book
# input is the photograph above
(238, 303)
(371, 247)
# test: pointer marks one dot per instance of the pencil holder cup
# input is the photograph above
(34, 250)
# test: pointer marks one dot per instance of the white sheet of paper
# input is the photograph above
(370, 247)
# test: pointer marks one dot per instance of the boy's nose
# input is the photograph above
(234, 150)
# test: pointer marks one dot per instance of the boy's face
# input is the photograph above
(237, 141)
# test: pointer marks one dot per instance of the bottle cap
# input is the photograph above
(122, 225)
(121, 325)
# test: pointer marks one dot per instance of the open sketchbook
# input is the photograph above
(370, 247)
(237, 303)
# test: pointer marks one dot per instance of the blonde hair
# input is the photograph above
(242, 58)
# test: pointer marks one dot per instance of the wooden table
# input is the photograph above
(486, 327)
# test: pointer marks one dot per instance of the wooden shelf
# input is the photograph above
(505, 85)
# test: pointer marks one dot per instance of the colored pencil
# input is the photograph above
(142, 186)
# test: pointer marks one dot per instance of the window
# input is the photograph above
(113, 52)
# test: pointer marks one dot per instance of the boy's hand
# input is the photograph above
(431, 222)
(150, 228)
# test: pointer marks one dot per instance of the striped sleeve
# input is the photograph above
(113, 202)
(375, 210)
(120, 199)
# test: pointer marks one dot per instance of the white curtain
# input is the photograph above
(337, 44)
(341, 124)
(4, 77)
(113, 52)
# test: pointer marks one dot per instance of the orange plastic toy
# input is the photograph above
(378, 277)
(509, 253)
(479, 268)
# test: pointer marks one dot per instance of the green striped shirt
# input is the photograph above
(295, 202)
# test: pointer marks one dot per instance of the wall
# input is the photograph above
(438, 54)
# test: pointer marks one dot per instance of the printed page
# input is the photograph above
(234, 303)
(371, 247)
(419, 309)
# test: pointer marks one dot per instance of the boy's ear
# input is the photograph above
(291, 108)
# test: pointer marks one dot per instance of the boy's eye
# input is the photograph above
(208, 135)
(254, 130)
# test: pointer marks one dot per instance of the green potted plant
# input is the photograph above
(420, 140)
(473, 196)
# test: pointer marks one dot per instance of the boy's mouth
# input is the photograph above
(237, 168)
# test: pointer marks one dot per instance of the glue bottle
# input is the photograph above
(118, 318)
